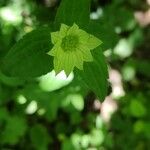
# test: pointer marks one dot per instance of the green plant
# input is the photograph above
(28, 57)
(75, 109)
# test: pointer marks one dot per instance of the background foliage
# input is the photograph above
(39, 111)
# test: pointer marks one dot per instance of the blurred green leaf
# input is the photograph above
(124, 48)
(122, 17)
(10, 15)
(139, 126)
(76, 140)
(47, 102)
(14, 130)
(97, 137)
(3, 114)
(67, 145)
(10, 81)
(128, 71)
(51, 82)
(143, 67)
(76, 100)
(39, 137)
(137, 109)
(51, 106)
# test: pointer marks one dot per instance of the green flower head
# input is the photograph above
(71, 48)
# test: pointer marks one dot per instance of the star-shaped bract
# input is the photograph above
(71, 48)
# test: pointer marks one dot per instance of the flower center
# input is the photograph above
(70, 43)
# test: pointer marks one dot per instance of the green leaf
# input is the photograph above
(95, 74)
(78, 11)
(122, 17)
(28, 57)
(97, 137)
(137, 109)
(67, 145)
(38, 134)
(49, 102)
(14, 130)
(76, 100)
(143, 67)
(3, 114)
(104, 31)
(50, 82)
(10, 81)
